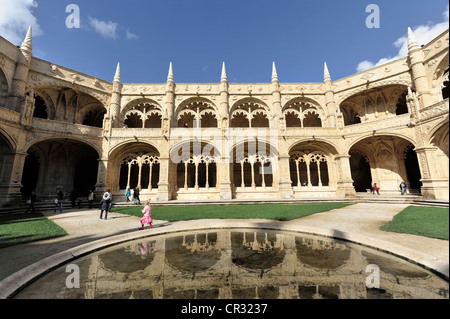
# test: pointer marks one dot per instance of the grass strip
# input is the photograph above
(266, 211)
(430, 222)
(18, 229)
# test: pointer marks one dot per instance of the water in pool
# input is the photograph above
(238, 264)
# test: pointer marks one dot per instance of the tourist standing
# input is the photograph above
(147, 219)
(403, 188)
(128, 194)
(137, 201)
(108, 196)
(105, 204)
(59, 202)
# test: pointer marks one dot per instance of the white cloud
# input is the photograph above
(15, 18)
(108, 30)
(131, 36)
(423, 34)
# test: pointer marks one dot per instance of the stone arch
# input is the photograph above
(374, 103)
(253, 164)
(70, 165)
(373, 85)
(92, 114)
(197, 112)
(196, 164)
(319, 143)
(134, 165)
(303, 112)
(67, 104)
(310, 164)
(368, 135)
(7, 138)
(30, 142)
(360, 160)
(391, 160)
(142, 113)
(197, 99)
(130, 146)
(250, 112)
(44, 105)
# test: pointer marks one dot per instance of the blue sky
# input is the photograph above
(197, 35)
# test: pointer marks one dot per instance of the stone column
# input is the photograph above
(329, 97)
(164, 192)
(100, 186)
(115, 99)
(12, 187)
(433, 186)
(276, 116)
(223, 166)
(286, 190)
(170, 99)
(420, 80)
(20, 78)
(150, 176)
(345, 182)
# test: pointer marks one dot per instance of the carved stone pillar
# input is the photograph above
(169, 102)
(285, 182)
(420, 80)
(100, 186)
(224, 172)
(20, 78)
(345, 182)
(433, 186)
(164, 192)
(12, 186)
(329, 97)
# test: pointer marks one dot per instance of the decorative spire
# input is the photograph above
(274, 73)
(412, 43)
(326, 73)
(27, 43)
(170, 77)
(223, 78)
(117, 77)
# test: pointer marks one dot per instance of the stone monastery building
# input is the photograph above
(64, 130)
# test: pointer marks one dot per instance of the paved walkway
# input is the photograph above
(357, 223)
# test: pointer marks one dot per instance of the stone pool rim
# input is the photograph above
(11, 285)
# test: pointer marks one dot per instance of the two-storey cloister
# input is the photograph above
(64, 130)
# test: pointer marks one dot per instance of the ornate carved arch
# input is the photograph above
(142, 113)
(249, 113)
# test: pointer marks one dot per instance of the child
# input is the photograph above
(376, 189)
(147, 219)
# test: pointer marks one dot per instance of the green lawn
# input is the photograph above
(267, 211)
(23, 228)
(423, 221)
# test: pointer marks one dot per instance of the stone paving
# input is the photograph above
(358, 223)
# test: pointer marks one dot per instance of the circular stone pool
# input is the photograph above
(237, 264)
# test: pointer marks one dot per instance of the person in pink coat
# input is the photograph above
(147, 219)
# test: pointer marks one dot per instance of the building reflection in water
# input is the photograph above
(247, 264)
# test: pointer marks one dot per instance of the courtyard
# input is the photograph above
(357, 223)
